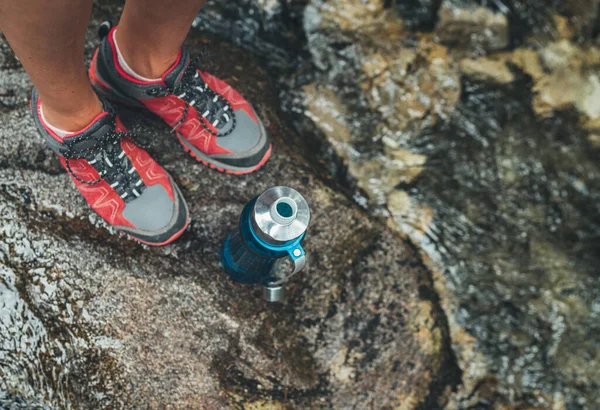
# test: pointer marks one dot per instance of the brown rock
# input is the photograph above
(485, 69)
(564, 28)
(528, 60)
(594, 140)
(472, 27)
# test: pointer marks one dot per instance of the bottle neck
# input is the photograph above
(269, 242)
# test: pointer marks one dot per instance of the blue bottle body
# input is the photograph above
(249, 259)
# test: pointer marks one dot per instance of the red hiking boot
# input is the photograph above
(213, 122)
(119, 180)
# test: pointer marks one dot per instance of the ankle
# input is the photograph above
(151, 67)
(74, 119)
(146, 62)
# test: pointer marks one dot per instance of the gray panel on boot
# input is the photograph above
(152, 211)
(245, 136)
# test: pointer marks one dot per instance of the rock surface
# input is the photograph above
(471, 127)
(90, 320)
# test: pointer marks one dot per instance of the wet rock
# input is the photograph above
(408, 216)
(517, 22)
(472, 27)
(486, 163)
(594, 140)
(458, 215)
(92, 320)
(540, 21)
(558, 56)
(376, 175)
(528, 60)
(580, 19)
(565, 77)
(481, 127)
(418, 14)
(486, 69)
(267, 27)
(377, 92)
(565, 29)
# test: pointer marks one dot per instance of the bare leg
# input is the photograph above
(151, 32)
(48, 37)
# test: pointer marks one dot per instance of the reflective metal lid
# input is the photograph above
(280, 215)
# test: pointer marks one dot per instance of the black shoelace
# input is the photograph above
(108, 159)
(210, 105)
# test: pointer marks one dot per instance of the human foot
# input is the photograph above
(119, 180)
(212, 121)
(76, 117)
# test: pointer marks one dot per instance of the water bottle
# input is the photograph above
(272, 226)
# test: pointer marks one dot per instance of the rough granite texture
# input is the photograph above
(91, 320)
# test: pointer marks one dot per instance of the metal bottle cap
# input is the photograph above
(280, 215)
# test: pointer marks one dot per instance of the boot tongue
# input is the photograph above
(89, 138)
(174, 76)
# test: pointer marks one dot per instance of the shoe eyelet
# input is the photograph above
(153, 92)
